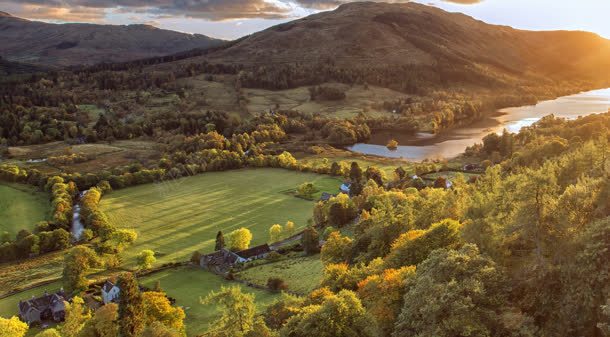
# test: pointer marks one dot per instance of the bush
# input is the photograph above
(276, 284)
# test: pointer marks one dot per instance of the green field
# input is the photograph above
(301, 274)
(187, 285)
(178, 217)
(21, 207)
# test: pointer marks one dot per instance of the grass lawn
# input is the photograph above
(21, 207)
(302, 274)
(176, 218)
(187, 285)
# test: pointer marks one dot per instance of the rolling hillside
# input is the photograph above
(60, 45)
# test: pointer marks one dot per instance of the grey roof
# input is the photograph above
(107, 286)
(254, 251)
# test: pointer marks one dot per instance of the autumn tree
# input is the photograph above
(12, 327)
(289, 229)
(337, 248)
(76, 265)
(131, 309)
(239, 239)
(157, 308)
(146, 259)
(51, 332)
(104, 322)
(275, 233)
(77, 314)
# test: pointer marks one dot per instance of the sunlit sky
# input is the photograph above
(229, 19)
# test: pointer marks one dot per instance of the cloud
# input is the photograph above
(94, 10)
(464, 2)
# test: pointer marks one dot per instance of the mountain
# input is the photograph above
(60, 45)
(372, 34)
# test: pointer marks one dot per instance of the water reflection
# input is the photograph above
(453, 142)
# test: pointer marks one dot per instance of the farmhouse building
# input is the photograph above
(254, 253)
(43, 308)
(110, 292)
(220, 261)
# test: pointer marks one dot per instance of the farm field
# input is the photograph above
(188, 285)
(21, 207)
(23, 274)
(302, 274)
(176, 218)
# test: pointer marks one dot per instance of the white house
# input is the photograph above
(345, 188)
(110, 292)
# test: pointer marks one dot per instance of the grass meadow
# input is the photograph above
(21, 207)
(176, 218)
(188, 285)
(302, 274)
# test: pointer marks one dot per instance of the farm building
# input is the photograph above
(254, 253)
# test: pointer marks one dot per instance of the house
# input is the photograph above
(110, 292)
(254, 253)
(345, 187)
(43, 308)
(220, 261)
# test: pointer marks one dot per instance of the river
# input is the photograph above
(77, 224)
(453, 142)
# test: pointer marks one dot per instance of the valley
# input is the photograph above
(374, 169)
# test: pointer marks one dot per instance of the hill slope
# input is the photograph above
(369, 34)
(48, 44)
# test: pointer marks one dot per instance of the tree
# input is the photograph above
(413, 247)
(48, 333)
(76, 265)
(77, 315)
(340, 315)
(220, 241)
(158, 329)
(157, 308)
(306, 190)
(289, 229)
(146, 259)
(275, 233)
(310, 241)
(12, 327)
(341, 210)
(454, 293)
(237, 312)
(239, 239)
(131, 310)
(103, 323)
(337, 248)
(355, 173)
(260, 329)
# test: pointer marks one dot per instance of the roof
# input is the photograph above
(220, 257)
(254, 251)
(54, 301)
(108, 286)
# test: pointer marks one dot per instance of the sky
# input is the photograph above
(230, 19)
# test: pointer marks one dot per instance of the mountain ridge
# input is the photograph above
(70, 44)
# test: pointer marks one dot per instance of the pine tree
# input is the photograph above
(131, 320)
(220, 241)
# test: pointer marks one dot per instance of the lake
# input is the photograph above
(453, 142)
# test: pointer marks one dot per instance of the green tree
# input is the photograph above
(239, 239)
(340, 315)
(310, 241)
(158, 329)
(220, 241)
(237, 312)
(12, 327)
(104, 322)
(454, 293)
(306, 190)
(131, 309)
(146, 259)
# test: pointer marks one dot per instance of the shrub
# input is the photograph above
(276, 284)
